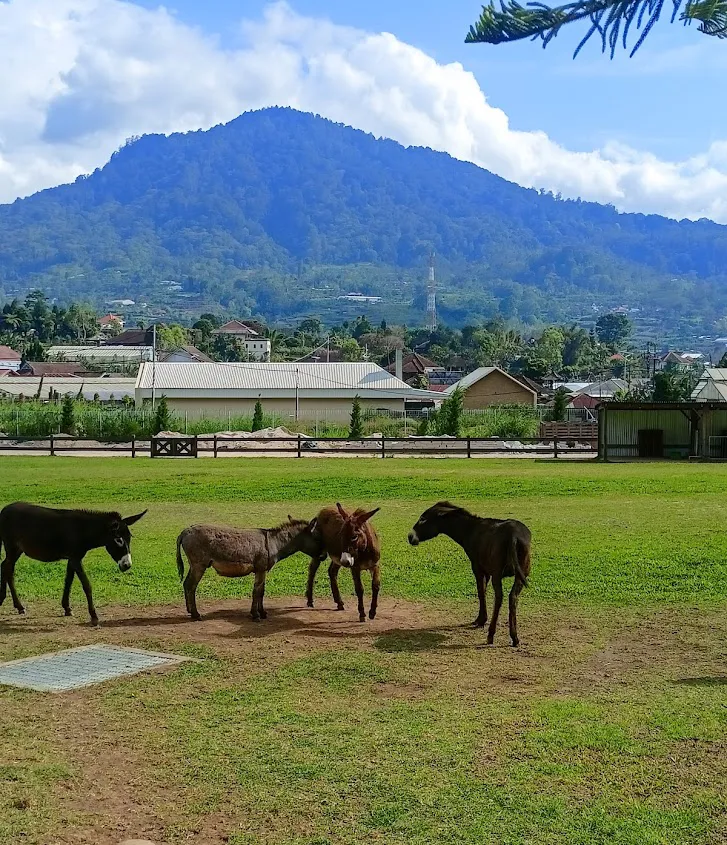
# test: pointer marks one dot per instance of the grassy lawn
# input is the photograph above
(607, 725)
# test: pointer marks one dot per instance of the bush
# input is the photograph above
(560, 404)
(449, 418)
(257, 417)
(68, 415)
(162, 416)
(356, 429)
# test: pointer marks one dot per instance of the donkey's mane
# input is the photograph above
(455, 509)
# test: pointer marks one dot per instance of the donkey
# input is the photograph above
(48, 534)
(234, 553)
(353, 543)
(497, 549)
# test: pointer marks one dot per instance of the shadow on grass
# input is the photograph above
(715, 681)
(409, 641)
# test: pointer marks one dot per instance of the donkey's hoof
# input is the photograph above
(372, 614)
(195, 617)
(340, 607)
(310, 603)
(67, 612)
(94, 623)
(515, 643)
(21, 611)
(479, 623)
(362, 617)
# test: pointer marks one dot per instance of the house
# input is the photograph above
(110, 322)
(492, 386)
(413, 366)
(712, 386)
(184, 355)
(255, 344)
(53, 369)
(9, 359)
(681, 360)
(662, 430)
(133, 337)
(545, 394)
(295, 389)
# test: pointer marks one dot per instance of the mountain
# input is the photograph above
(279, 212)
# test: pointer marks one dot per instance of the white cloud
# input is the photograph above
(79, 76)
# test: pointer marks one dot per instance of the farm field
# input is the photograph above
(607, 725)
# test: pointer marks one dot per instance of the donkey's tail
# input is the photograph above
(515, 560)
(180, 562)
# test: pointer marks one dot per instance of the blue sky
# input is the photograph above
(647, 134)
(658, 101)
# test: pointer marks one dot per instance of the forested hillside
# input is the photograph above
(278, 211)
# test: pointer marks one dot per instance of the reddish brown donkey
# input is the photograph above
(353, 543)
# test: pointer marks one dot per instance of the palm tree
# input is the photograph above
(611, 19)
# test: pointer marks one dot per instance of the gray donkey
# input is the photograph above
(235, 552)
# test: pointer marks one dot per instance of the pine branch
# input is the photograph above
(611, 19)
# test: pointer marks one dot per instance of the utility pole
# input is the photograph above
(153, 365)
(297, 397)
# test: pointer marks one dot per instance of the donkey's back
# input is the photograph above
(48, 534)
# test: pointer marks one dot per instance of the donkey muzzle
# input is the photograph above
(413, 538)
(125, 563)
(347, 559)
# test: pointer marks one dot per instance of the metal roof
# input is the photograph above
(479, 374)
(714, 373)
(101, 353)
(346, 379)
(8, 354)
(103, 387)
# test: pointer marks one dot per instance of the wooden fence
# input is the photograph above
(300, 446)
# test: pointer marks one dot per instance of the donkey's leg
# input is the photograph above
(7, 575)
(312, 570)
(86, 584)
(191, 581)
(358, 584)
(514, 595)
(333, 578)
(375, 586)
(66, 600)
(481, 591)
(497, 587)
(258, 591)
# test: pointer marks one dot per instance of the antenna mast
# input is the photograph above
(432, 296)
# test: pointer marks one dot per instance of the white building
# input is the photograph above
(88, 388)
(712, 386)
(293, 389)
(255, 344)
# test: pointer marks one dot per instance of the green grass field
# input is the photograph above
(606, 726)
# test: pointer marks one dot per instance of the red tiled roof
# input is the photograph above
(8, 354)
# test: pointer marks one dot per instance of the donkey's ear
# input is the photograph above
(341, 510)
(313, 524)
(365, 517)
(130, 520)
(290, 518)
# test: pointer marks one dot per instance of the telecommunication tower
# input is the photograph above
(432, 296)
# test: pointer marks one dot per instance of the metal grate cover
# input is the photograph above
(81, 667)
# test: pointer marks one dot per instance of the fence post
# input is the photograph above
(52, 446)
(133, 446)
(196, 443)
(383, 446)
(469, 447)
(214, 446)
(555, 446)
(299, 453)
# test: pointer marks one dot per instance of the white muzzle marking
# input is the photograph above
(413, 538)
(347, 560)
(125, 563)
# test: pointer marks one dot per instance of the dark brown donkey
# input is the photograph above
(497, 549)
(47, 535)
(351, 542)
(235, 552)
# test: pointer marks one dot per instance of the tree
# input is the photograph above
(449, 416)
(162, 416)
(68, 416)
(613, 329)
(257, 417)
(560, 403)
(356, 430)
(171, 337)
(673, 386)
(611, 19)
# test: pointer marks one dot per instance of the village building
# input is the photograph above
(294, 389)
(53, 369)
(101, 388)
(712, 386)
(9, 359)
(488, 386)
(256, 345)
(184, 355)
(102, 355)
